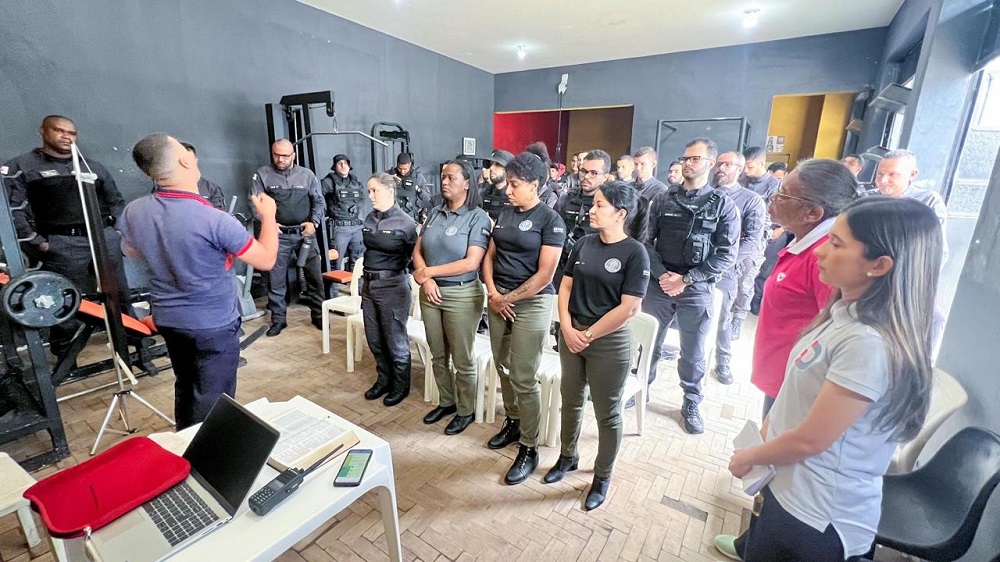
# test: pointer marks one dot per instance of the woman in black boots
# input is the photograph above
(389, 236)
(602, 287)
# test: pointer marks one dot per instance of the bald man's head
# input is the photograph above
(282, 154)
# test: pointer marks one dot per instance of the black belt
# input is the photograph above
(446, 283)
(70, 230)
(380, 274)
(347, 223)
(290, 229)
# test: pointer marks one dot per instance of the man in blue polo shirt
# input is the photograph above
(188, 247)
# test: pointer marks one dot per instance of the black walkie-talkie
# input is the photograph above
(275, 492)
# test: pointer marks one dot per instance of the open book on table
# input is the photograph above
(306, 438)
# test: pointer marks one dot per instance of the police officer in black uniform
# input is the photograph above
(296, 192)
(347, 205)
(494, 194)
(736, 284)
(207, 188)
(413, 194)
(575, 205)
(52, 220)
(390, 235)
(648, 186)
(692, 241)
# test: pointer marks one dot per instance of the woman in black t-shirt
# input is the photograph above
(518, 268)
(602, 287)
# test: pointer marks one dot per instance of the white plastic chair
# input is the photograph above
(947, 396)
(644, 327)
(344, 304)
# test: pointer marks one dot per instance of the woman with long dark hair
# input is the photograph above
(602, 287)
(857, 383)
(446, 263)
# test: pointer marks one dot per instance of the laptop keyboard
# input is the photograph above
(179, 513)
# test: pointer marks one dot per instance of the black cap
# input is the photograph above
(501, 157)
(340, 157)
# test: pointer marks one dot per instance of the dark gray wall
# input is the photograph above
(204, 70)
(724, 82)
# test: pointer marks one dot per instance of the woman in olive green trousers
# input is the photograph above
(602, 287)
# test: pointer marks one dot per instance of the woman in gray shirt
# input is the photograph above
(856, 384)
(446, 262)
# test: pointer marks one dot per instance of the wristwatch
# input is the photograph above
(589, 335)
(688, 280)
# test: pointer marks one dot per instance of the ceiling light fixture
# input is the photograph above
(522, 51)
(751, 17)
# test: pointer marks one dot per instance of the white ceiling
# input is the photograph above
(486, 33)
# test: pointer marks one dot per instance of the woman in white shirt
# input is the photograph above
(857, 383)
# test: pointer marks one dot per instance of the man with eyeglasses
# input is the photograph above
(574, 205)
(692, 240)
(300, 208)
(737, 284)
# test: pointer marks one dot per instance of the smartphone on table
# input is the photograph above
(353, 469)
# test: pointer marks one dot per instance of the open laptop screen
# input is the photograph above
(229, 450)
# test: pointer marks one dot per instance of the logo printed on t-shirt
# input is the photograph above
(48, 173)
(645, 274)
(558, 229)
(525, 226)
(613, 265)
(781, 277)
(451, 231)
(809, 355)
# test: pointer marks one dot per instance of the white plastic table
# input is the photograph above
(252, 537)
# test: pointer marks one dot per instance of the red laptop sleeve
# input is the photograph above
(102, 489)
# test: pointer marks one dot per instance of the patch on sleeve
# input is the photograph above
(4, 170)
(558, 229)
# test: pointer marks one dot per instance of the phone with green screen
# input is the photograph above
(353, 469)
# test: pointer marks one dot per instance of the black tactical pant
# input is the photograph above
(288, 247)
(385, 305)
(348, 239)
(71, 256)
(693, 312)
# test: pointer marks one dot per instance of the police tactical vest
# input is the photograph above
(684, 231)
(494, 201)
(575, 213)
(346, 200)
(54, 199)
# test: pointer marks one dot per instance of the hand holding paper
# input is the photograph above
(758, 476)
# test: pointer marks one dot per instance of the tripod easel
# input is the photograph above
(107, 284)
